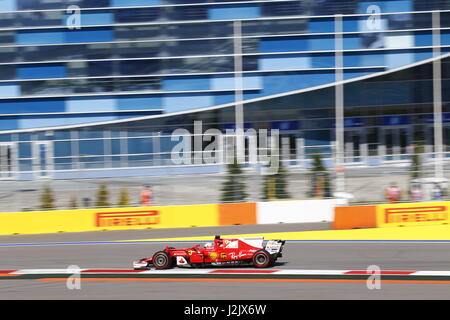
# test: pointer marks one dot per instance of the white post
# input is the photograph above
(349, 152)
(253, 150)
(156, 148)
(300, 148)
(286, 150)
(396, 150)
(108, 149)
(75, 150)
(382, 152)
(363, 147)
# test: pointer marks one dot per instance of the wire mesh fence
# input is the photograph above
(363, 184)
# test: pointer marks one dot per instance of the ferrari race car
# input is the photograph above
(221, 252)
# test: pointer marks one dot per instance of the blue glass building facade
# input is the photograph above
(93, 88)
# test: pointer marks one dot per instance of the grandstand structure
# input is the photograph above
(97, 88)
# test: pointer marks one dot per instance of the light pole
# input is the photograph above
(238, 92)
(437, 97)
(339, 105)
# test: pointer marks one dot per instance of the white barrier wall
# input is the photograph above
(297, 211)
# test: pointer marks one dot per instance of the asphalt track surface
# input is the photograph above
(164, 233)
(44, 253)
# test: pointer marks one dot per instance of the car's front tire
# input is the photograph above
(262, 259)
(162, 260)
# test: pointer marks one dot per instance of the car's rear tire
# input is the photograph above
(162, 260)
(262, 259)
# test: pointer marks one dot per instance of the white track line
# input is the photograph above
(224, 271)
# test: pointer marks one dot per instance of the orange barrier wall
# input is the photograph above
(355, 217)
(237, 213)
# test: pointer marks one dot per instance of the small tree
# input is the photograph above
(124, 200)
(47, 198)
(233, 188)
(281, 183)
(268, 189)
(275, 185)
(320, 179)
(416, 163)
(102, 196)
(73, 203)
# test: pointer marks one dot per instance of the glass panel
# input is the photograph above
(352, 145)
(140, 145)
(186, 13)
(447, 138)
(91, 147)
(87, 134)
(63, 164)
(200, 30)
(25, 165)
(109, 51)
(5, 137)
(63, 148)
(137, 15)
(36, 88)
(404, 140)
(140, 161)
(372, 141)
(25, 150)
(282, 8)
(389, 140)
(115, 146)
(293, 26)
(42, 157)
(92, 162)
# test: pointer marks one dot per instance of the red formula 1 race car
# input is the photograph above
(221, 252)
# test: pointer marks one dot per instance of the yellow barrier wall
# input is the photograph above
(392, 215)
(413, 214)
(109, 219)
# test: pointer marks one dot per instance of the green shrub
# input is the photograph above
(102, 196)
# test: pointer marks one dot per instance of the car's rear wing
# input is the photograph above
(274, 246)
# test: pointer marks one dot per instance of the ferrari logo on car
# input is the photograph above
(213, 255)
(223, 255)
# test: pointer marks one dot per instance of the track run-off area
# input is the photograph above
(413, 263)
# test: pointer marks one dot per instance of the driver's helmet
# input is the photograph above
(218, 241)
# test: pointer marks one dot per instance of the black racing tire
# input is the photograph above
(162, 260)
(262, 259)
